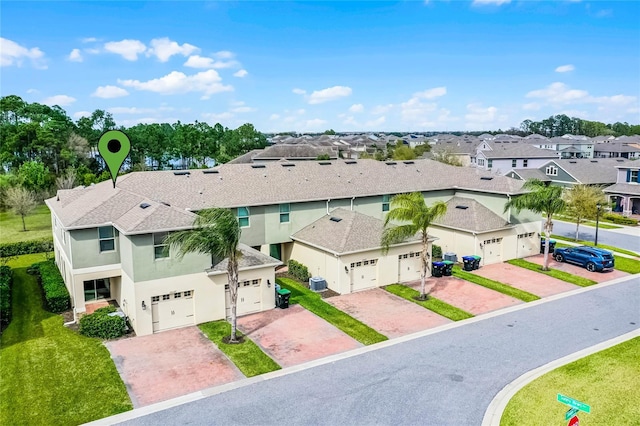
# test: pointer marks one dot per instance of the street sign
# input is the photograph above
(574, 403)
(575, 421)
(572, 412)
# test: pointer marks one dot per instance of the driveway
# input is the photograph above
(169, 364)
(387, 313)
(294, 335)
(467, 296)
(534, 282)
(598, 277)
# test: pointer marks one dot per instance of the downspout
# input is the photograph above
(353, 198)
(475, 242)
(329, 200)
(509, 211)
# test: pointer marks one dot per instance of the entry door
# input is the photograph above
(173, 310)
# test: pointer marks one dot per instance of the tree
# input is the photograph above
(34, 176)
(582, 203)
(416, 217)
(542, 199)
(446, 156)
(216, 233)
(67, 180)
(22, 202)
(329, 132)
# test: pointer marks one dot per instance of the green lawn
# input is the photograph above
(590, 243)
(607, 381)
(561, 275)
(494, 285)
(38, 226)
(247, 356)
(313, 302)
(624, 264)
(50, 375)
(433, 304)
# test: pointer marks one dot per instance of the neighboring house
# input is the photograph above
(618, 149)
(502, 156)
(624, 195)
(108, 241)
(584, 171)
(462, 149)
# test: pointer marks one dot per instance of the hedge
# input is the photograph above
(298, 270)
(99, 324)
(5, 296)
(56, 295)
(620, 220)
(436, 251)
(26, 247)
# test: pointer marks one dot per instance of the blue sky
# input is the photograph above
(311, 66)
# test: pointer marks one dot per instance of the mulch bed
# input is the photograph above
(325, 294)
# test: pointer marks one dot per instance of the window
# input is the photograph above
(187, 293)
(166, 296)
(159, 251)
(386, 199)
(489, 163)
(633, 176)
(284, 212)
(480, 161)
(514, 163)
(155, 299)
(255, 282)
(178, 295)
(106, 238)
(97, 289)
(525, 163)
(243, 216)
(551, 171)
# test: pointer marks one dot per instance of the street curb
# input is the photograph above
(496, 408)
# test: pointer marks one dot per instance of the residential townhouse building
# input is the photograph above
(502, 156)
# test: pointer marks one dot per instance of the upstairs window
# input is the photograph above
(525, 163)
(489, 164)
(386, 199)
(514, 163)
(551, 171)
(285, 209)
(159, 245)
(106, 237)
(633, 176)
(243, 216)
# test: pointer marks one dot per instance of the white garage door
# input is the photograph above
(492, 251)
(364, 274)
(409, 267)
(172, 310)
(249, 300)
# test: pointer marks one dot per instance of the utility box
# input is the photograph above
(317, 284)
(451, 257)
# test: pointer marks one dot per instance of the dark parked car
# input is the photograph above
(594, 259)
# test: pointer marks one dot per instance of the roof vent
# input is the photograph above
(210, 171)
(182, 172)
(462, 207)
(390, 163)
(324, 163)
(350, 162)
(409, 162)
(573, 162)
(335, 219)
(594, 161)
(288, 165)
(165, 203)
(145, 205)
(486, 177)
(620, 161)
(258, 166)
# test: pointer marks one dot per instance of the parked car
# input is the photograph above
(592, 258)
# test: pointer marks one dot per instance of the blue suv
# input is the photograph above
(594, 259)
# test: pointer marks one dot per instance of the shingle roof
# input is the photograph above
(469, 215)
(250, 258)
(591, 171)
(343, 231)
(527, 174)
(516, 150)
(292, 151)
(623, 188)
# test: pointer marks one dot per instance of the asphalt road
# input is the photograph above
(609, 237)
(446, 378)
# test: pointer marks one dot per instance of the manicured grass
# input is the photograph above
(26, 260)
(313, 302)
(630, 266)
(38, 225)
(247, 356)
(590, 243)
(433, 304)
(606, 381)
(604, 224)
(561, 275)
(525, 296)
(50, 374)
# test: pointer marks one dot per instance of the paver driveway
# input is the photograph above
(570, 268)
(534, 282)
(294, 335)
(387, 313)
(169, 364)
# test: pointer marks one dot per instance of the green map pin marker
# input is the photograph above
(114, 146)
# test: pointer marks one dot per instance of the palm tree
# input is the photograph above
(216, 232)
(412, 208)
(542, 199)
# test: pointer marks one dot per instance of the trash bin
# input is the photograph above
(282, 298)
(468, 262)
(437, 268)
(552, 245)
(476, 261)
(448, 268)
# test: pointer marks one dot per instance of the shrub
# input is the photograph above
(26, 247)
(5, 296)
(298, 271)
(620, 220)
(99, 324)
(56, 295)
(436, 251)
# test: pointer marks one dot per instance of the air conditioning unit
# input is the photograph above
(317, 284)
(451, 257)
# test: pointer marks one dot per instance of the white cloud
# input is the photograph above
(533, 106)
(197, 61)
(163, 49)
(141, 120)
(241, 109)
(376, 123)
(218, 117)
(494, 2)
(559, 93)
(89, 40)
(356, 108)
(274, 116)
(128, 49)
(60, 100)
(109, 92)
(81, 114)
(436, 92)
(299, 91)
(30, 91)
(11, 53)
(224, 54)
(481, 118)
(382, 109)
(75, 56)
(329, 94)
(206, 82)
(314, 123)
(240, 73)
(565, 68)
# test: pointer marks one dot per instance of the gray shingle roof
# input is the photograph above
(516, 150)
(291, 151)
(623, 188)
(592, 171)
(250, 258)
(527, 174)
(349, 232)
(472, 216)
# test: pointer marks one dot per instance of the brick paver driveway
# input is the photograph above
(387, 313)
(170, 364)
(294, 335)
(534, 282)
(578, 270)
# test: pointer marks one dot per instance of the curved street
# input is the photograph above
(446, 377)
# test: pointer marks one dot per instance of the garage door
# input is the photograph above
(172, 310)
(409, 267)
(364, 275)
(249, 299)
(492, 251)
